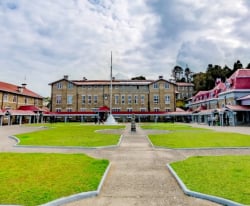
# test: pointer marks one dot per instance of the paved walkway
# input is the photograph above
(138, 174)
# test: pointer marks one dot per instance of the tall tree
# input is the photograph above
(177, 73)
(187, 73)
(237, 65)
(199, 80)
(138, 78)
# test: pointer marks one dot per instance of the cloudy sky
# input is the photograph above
(42, 40)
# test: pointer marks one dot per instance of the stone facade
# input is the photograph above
(13, 96)
(127, 95)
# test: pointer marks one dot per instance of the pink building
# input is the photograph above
(228, 103)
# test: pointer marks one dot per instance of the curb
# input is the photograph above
(64, 147)
(79, 196)
(201, 195)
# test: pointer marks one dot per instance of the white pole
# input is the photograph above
(111, 86)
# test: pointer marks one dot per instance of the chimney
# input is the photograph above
(84, 78)
(24, 85)
(20, 89)
(66, 77)
(160, 77)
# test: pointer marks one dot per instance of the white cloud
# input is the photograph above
(43, 40)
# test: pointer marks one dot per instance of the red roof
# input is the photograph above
(104, 109)
(30, 108)
(15, 89)
(240, 79)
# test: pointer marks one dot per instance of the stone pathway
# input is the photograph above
(138, 174)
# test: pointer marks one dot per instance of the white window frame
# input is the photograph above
(58, 99)
(136, 99)
(156, 99)
(83, 99)
(95, 99)
(5, 98)
(142, 99)
(123, 99)
(59, 85)
(155, 85)
(167, 86)
(116, 99)
(167, 99)
(69, 99)
(89, 99)
(129, 99)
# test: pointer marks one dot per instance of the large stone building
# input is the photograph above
(129, 96)
(228, 103)
(17, 103)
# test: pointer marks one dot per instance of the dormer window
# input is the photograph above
(155, 85)
(59, 85)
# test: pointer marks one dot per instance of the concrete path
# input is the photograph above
(138, 174)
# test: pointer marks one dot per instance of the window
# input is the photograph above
(89, 99)
(136, 99)
(58, 109)
(129, 99)
(83, 99)
(116, 99)
(143, 109)
(167, 99)
(95, 99)
(156, 99)
(58, 99)
(129, 110)
(25, 100)
(89, 87)
(82, 109)
(69, 109)
(116, 109)
(59, 85)
(14, 98)
(5, 97)
(142, 99)
(166, 85)
(70, 85)
(123, 99)
(156, 109)
(155, 85)
(69, 99)
(36, 101)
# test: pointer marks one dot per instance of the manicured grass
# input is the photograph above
(185, 136)
(33, 179)
(171, 127)
(71, 135)
(223, 176)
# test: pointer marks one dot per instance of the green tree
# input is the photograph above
(138, 78)
(237, 65)
(188, 74)
(199, 80)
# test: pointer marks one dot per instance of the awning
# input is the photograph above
(20, 113)
(238, 108)
(30, 108)
(103, 109)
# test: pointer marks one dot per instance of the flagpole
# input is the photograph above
(111, 85)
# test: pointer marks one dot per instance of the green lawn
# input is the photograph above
(185, 136)
(33, 179)
(223, 176)
(71, 135)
